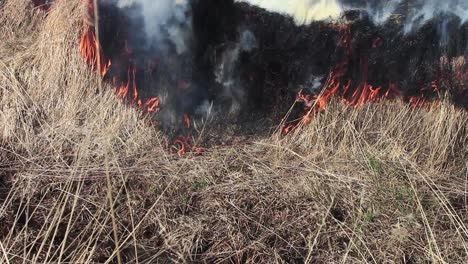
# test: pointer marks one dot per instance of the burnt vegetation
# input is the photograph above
(86, 178)
(425, 64)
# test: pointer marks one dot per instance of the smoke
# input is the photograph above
(227, 74)
(424, 11)
(416, 12)
(165, 22)
(303, 11)
(182, 51)
(381, 12)
(197, 56)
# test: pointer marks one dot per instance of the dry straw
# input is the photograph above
(86, 179)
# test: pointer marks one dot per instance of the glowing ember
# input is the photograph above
(183, 145)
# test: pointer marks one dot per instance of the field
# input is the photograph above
(87, 179)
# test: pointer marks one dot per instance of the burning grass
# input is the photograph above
(84, 178)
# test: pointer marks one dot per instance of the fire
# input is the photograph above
(92, 51)
(135, 90)
(355, 91)
(183, 144)
(187, 120)
(126, 87)
(338, 86)
(105, 68)
(152, 105)
(90, 48)
(122, 91)
(88, 45)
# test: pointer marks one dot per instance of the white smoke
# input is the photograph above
(425, 10)
(418, 11)
(164, 20)
(225, 71)
(303, 11)
(383, 12)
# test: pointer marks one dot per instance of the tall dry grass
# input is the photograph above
(86, 179)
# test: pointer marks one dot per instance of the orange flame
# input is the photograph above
(90, 48)
(152, 105)
(122, 91)
(184, 145)
(126, 89)
(335, 86)
(187, 120)
(134, 85)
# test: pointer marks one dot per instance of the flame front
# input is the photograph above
(126, 87)
(92, 52)
(89, 47)
(354, 92)
(338, 86)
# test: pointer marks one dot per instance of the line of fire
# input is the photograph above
(242, 62)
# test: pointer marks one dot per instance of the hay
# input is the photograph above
(382, 183)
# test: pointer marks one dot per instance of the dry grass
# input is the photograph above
(85, 179)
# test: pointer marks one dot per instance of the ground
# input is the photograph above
(86, 179)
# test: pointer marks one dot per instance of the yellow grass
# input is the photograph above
(86, 179)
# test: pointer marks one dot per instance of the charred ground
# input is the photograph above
(286, 58)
